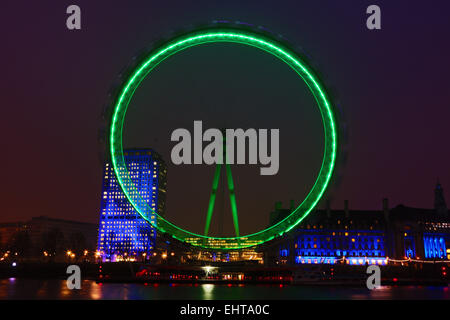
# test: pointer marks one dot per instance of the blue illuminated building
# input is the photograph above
(434, 246)
(326, 246)
(360, 237)
(123, 233)
(328, 236)
(410, 246)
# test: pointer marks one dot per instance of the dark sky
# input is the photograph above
(391, 85)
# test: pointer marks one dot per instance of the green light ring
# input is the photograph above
(233, 36)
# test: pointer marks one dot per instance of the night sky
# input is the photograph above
(391, 87)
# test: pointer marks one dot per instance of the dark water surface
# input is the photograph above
(57, 289)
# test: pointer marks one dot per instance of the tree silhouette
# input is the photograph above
(53, 242)
(77, 243)
(21, 244)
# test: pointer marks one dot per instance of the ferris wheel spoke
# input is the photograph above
(212, 199)
(232, 200)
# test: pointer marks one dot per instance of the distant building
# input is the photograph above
(280, 213)
(39, 227)
(8, 230)
(50, 235)
(363, 237)
(123, 233)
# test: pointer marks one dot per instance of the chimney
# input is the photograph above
(278, 205)
(328, 208)
(386, 209)
(347, 212)
(439, 200)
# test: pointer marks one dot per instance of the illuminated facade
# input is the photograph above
(123, 233)
(328, 236)
(249, 253)
(329, 245)
(364, 237)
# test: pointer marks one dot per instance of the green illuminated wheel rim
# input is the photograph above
(231, 36)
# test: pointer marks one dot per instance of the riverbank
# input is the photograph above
(322, 275)
(45, 270)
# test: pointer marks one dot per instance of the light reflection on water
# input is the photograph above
(14, 288)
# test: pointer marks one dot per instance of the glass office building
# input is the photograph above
(123, 234)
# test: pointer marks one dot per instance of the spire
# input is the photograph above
(439, 200)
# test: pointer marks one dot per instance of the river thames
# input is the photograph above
(30, 289)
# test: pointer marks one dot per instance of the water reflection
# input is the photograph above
(14, 288)
(208, 291)
(95, 290)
